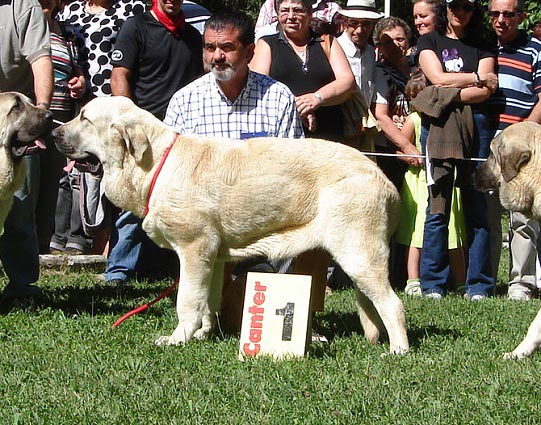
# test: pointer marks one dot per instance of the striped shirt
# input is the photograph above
(63, 66)
(265, 107)
(519, 82)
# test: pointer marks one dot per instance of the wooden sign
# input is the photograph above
(276, 315)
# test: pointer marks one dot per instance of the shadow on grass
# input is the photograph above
(101, 298)
(338, 324)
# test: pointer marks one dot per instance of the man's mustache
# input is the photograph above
(221, 63)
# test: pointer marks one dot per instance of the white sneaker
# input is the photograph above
(413, 288)
(434, 296)
(478, 297)
(519, 292)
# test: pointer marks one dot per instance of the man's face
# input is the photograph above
(359, 31)
(505, 19)
(170, 7)
(224, 55)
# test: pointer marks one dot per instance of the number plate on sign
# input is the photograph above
(276, 315)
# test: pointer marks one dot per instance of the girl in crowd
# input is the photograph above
(414, 191)
(452, 57)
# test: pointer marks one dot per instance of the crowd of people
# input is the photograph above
(423, 103)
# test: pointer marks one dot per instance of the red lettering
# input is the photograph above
(256, 310)
(251, 349)
(259, 298)
(255, 335)
(259, 287)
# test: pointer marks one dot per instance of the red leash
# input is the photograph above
(145, 212)
(147, 305)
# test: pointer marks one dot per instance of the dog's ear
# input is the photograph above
(512, 159)
(134, 137)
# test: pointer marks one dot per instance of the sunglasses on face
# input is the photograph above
(357, 24)
(466, 7)
(495, 14)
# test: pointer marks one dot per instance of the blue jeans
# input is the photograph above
(133, 252)
(19, 250)
(434, 268)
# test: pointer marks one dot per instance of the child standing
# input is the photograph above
(414, 194)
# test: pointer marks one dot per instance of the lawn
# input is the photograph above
(63, 364)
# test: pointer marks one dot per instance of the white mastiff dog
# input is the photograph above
(21, 127)
(514, 168)
(215, 200)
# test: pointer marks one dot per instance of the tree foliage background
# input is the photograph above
(401, 8)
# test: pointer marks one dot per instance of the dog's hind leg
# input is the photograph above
(376, 298)
(370, 320)
(196, 302)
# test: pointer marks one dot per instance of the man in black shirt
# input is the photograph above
(156, 54)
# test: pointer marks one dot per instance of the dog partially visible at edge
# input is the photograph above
(514, 169)
(22, 125)
(215, 200)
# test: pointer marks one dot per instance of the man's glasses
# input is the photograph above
(357, 24)
(295, 11)
(495, 14)
(466, 7)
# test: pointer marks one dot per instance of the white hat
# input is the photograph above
(361, 9)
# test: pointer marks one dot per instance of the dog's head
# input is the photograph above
(513, 168)
(22, 125)
(108, 131)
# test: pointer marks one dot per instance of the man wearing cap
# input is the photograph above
(515, 100)
(361, 17)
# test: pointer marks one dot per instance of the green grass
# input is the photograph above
(63, 364)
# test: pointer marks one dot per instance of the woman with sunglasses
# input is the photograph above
(452, 57)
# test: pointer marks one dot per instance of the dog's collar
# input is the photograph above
(157, 173)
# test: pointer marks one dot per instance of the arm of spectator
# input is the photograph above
(334, 93)
(120, 81)
(431, 66)
(77, 84)
(261, 62)
(535, 115)
(471, 95)
(391, 131)
(42, 68)
(408, 130)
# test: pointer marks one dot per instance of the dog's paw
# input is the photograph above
(514, 356)
(164, 340)
(202, 333)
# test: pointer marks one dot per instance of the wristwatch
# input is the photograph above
(478, 83)
(318, 97)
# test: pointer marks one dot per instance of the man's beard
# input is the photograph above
(222, 74)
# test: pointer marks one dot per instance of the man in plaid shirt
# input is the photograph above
(231, 101)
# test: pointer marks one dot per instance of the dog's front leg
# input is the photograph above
(214, 301)
(195, 309)
(530, 343)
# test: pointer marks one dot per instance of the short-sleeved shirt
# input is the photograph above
(23, 39)
(455, 55)
(519, 82)
(161, 63)
(265, 107)
(96, 36)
